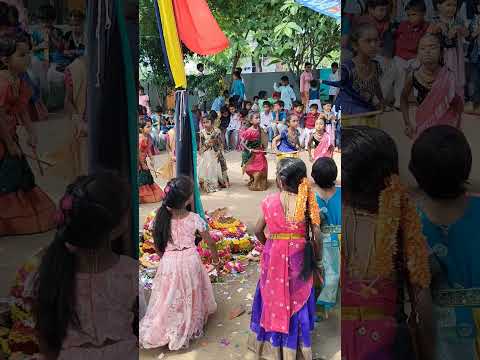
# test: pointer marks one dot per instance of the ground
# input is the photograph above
(226, 339)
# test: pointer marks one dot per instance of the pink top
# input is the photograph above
(183, 232)
(105, 313)
(144, 101)
(284, 292)
(305, 79)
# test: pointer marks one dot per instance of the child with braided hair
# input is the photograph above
(182, 296)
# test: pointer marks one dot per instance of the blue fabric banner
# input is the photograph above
(326, 7)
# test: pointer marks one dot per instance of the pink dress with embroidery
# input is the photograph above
(106, 317)
(182, 296)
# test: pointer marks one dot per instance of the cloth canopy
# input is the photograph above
(326, 7)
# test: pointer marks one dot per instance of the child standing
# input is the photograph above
(407, 37)
(267, 121)
(280, 116)
(26, 209)
(254, 162)
(298, 111)
(284, 303)
(287, 94)
(329, 199)
(305, 80)
(439, 100)
(182, 296)
(85, 294)
(314, 94)
(149, 191)
(237, 90)
(332, 90)
(474, 57)
(289, 140)
(212, 167)
(320, 142)
(224, 123)
(310, 120)
(233, 128)
(330, 122)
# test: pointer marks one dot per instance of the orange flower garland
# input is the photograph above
(397, 212)
(305, 192)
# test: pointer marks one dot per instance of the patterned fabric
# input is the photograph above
(212, 167)
(182, 296)
(326, 7)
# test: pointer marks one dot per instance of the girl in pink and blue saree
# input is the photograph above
(283, 308)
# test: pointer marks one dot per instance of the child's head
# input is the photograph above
(308, 67)
(327, 107)
(369, 160)
(237, 75)
(446, 8)
(77, 18)
(314, 108)
(200, 67)
(267, 106)
(255, 99)
(209, 121)
(232, 108)
(224, 111)
(239, 70)
(292, 121)
(320, 124)
(141, 90)
(93, 214)
(178, 194)
(429, 51)
(441, 162)
(416, 10)
(290, 174)
(284, 80)
(325, 172)
(248, 105)
(145, 125)
(314, 84)
(254, 118)
(364, 40)
(171, 112)
(159, 110)
(279, 105)
(47, 14)
(243, 115)
(15, 52)
(334, 67)
(378, 9)
(262, 95)
(298, 106)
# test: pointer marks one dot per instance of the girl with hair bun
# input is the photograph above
(182, 296)
(25, 208)
(383, 252)
(86, 295)
(283, 310)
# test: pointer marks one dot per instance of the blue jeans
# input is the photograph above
(231, 134)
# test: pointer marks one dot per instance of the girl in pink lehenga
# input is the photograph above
(439, 99)
(182, 296)
(321, 142)
(85, 298)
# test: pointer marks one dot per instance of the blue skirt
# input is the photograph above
(301, 326)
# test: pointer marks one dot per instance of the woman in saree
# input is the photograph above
(212, 167)
(283, 310)
(329, 199)
(254, 162)
(383, 252)
(149, 191)
(439, 100)
(450, 222)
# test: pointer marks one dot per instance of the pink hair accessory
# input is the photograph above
(167, 189)
(66, 203)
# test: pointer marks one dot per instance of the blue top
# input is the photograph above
(314, 94)
(285, 145)
(331, 215)
(455, 249)
(218, 103)
(238, 88)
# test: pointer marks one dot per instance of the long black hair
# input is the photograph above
(369, 159)
(291, 172)
(441, 162)
(177, 193)
(90, 210)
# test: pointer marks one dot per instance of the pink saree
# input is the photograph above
(284, 291)
(438, 107)
(325, 147)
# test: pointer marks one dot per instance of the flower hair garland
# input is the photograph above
(396, 212)
(305, 193)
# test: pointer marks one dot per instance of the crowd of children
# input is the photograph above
(419, 51)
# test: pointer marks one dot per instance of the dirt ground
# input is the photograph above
(226, 339)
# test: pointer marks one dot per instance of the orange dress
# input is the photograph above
(149, 191)
(26, 209)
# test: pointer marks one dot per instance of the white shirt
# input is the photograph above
(332, 89)
(234, 122)
(266, 119)
(287, 95)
